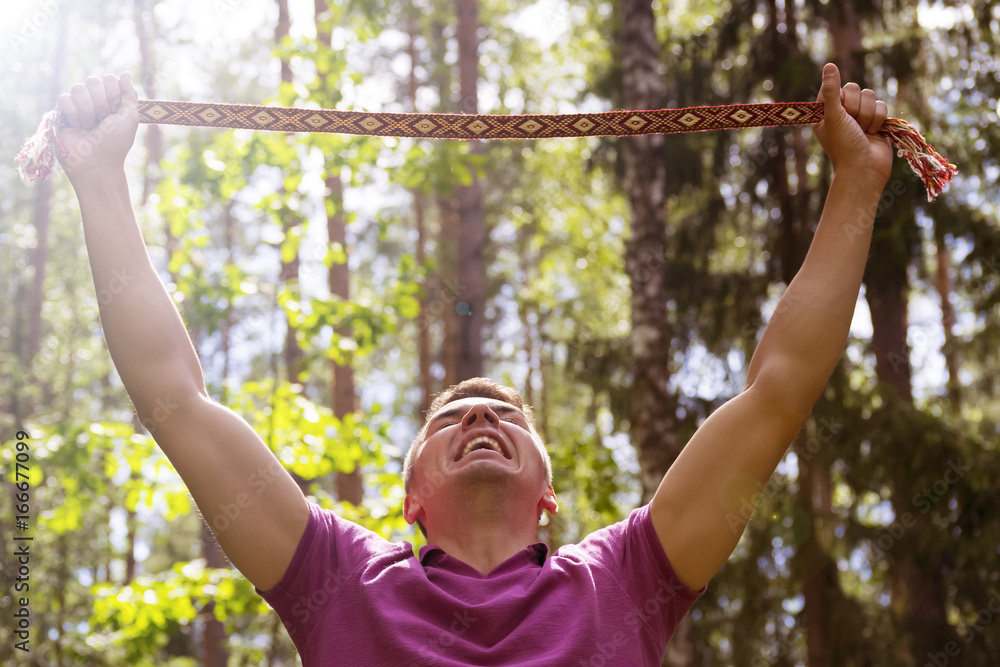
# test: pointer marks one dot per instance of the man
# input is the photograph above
(482, 591)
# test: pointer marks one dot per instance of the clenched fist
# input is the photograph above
(100, 117)
(849, 129)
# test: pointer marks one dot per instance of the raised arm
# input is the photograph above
(697, 508)
(253, 506)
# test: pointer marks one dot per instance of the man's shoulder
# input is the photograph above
(347, 534)
(611, 537)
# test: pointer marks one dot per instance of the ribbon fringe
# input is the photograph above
(36, 159)
(929, 165)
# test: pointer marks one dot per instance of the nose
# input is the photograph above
(479, 415)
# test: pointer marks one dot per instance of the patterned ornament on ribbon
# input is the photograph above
(36, 160)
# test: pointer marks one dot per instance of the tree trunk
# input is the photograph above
(444, 300)
(424, 380)
(471, 299)
(653, 415)
(144, 15)
(42, 216)
(442, 303)
(227, 325)
(919, 591)
(814, 568)
(525, 261)
(919, 594)
(131, 519)
(289, 222)
(545, 363)
(845, 31)
(214, 650)
(348, 485)
(944, 288)
(280, 33)
(42, 213)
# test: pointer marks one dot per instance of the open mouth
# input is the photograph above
(483, 442)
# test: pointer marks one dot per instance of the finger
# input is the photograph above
(67, 108)
(99, 98)
(113, 92)
(866, 110)
(852, 98)
(830, 91)
(129, 94)
(84, 106)
(881, 113)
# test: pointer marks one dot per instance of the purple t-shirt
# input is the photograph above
(350, 597)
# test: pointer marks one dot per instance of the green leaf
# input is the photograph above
(335, 254)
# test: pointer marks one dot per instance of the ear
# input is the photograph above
(411, 508)
(548, 502)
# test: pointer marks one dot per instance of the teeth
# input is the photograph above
(483, 439)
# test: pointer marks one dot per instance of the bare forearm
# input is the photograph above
(807, 333)
(146, 336)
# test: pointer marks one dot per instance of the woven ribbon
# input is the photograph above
(36, 159)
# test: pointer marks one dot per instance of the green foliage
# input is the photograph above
(135, 622)
(229, 207)
(306, 437)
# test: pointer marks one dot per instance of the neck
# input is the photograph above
(484, 547)
(485, 533)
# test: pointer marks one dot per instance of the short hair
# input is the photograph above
(474, 388)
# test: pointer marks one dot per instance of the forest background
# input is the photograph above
(332, 284)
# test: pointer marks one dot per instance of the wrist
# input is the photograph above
(860, 179)
(97, 179)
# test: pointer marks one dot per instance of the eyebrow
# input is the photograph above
(455, 412)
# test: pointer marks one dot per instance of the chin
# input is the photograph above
(488, 473)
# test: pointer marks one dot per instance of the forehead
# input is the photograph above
(462, 406)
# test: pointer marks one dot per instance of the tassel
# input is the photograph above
(933, 169)
(36, 160)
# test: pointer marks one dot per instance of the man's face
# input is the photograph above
(476, 441)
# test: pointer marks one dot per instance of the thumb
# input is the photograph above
(830, 92)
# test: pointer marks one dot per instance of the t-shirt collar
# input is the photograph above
(537, 553)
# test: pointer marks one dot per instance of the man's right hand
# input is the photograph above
(100, 118)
